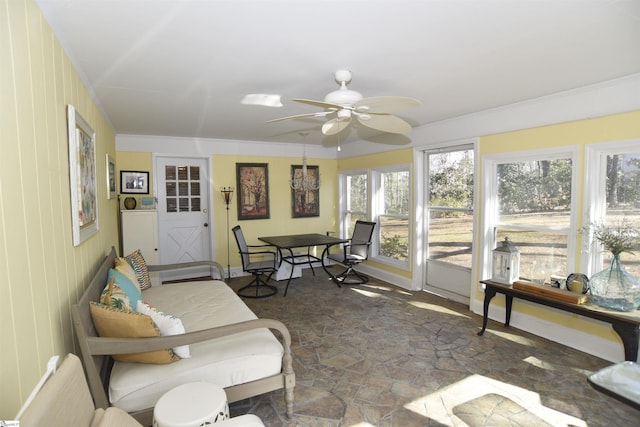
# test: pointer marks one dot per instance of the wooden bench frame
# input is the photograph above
(96, 351)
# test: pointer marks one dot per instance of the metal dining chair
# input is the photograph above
(353, 253)
(258, 268)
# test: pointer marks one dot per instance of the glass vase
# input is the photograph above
(614, 288)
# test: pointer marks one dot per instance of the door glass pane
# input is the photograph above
(171, 189)
(170, 172)
(183, 188)
(450, 237)
(183, 173)
(450, 192)
(451, 179)
(195, 188)
(623, 201)
(195, 173)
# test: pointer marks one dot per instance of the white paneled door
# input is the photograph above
(183, 213)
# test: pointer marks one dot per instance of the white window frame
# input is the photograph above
(490, 164)
(595, 158)
(377, 208)
(343, 195)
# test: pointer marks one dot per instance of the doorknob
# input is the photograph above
(206, 224)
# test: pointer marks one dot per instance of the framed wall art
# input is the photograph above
(252, 182)
(305, 193)
(134, 182)
(82, 177)
(111, 177)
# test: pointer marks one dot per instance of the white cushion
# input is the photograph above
(227, 361)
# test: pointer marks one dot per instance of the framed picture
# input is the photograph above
(253, 190)
(134, 182)
(111, 177)
(305, 203)
(82, 177)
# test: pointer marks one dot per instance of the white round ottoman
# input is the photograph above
(191, 405)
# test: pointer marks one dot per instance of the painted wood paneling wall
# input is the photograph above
(41, 272)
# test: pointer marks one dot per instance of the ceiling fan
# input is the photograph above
(341, 105)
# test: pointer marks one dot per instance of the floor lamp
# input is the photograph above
(227, 195)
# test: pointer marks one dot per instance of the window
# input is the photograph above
(182, 188)
(356, 201)
(531, 201)
(392, 202)
(382, 195)
(613, 196)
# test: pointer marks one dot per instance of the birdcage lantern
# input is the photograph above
(506, 263)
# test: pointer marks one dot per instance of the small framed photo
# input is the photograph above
(134, 182)
(111, 177)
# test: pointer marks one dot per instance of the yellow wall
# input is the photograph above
(41, 272)
(398, 157)
(578, 133)
(280, 221)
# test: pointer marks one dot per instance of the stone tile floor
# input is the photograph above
(378, 355)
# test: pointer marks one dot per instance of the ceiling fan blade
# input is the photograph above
(336, 125)
(320, 104)
(299, 116)
(264, 99)
(384, 123)
(385, 104)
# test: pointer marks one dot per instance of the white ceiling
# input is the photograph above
(181, 68)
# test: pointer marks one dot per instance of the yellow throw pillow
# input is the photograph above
(115, 323)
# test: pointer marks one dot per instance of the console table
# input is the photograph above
(625, 324)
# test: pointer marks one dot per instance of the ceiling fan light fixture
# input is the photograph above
(344, 114)
(341, 105)
(343, 96)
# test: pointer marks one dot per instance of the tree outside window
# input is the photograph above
(533, 203)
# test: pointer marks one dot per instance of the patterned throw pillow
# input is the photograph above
(125, 268)
(132, 291)
(110, 322)
(113, 296)
(139, 265)
(168, 325)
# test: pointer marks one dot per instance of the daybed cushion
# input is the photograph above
(111, 322)
(227, 361)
